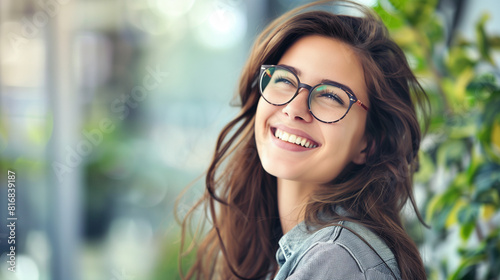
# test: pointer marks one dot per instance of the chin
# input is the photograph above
(280, 171)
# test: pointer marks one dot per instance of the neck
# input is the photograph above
(292, 199)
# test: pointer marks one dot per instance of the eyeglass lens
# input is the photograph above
(327, 103)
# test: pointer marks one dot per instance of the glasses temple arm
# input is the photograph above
(362, 105)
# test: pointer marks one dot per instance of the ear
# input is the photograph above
(360, 154)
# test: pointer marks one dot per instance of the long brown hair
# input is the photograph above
(241, 198)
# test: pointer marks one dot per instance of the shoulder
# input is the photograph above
(366, 248)
(349, 251)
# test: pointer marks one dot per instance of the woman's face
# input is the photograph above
(314, 58)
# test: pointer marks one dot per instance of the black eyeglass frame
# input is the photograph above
(352, 97)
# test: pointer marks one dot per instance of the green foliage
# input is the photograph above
(460, 165)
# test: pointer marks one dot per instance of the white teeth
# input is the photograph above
(291, 138)
(284, 136)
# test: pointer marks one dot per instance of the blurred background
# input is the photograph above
(110, 108)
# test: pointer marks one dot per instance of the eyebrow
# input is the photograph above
(298, 73)
(291, 68)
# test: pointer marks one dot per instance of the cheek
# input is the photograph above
(342, 143)
(259, 112)
(260, 122)
(264, 111)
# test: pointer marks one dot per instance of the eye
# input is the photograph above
(333, 96)
(283, 79)
(329, 94)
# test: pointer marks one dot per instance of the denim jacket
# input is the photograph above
(334, 253)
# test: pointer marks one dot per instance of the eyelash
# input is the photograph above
(283, 79)
(334, 96)
(330, 94)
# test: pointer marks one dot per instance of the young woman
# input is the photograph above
(309, 180)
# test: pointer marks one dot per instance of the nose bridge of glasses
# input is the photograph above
(301, 86)
(304, 86)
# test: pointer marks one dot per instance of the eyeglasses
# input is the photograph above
(328, 102)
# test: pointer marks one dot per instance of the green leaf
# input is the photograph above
(452, 218)
(487, 197)
(468, 214)
(482, 39)
(463, 126)
(399, 5)
(451, 151)
(433, 30)
(405, 36)
(391, 20)
(494, 42)
(415, 11)
(459, 60)
(487, 177)
(467, 269)
(466, 230)
(475, 163)
(464, 271)
(493, 252)
(476, 252)
(426, 167)
(440, 207)
(489, 133)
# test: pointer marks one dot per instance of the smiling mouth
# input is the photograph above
(294, 139)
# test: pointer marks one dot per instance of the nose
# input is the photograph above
(298, 109)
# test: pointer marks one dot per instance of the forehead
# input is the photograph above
(317, 58)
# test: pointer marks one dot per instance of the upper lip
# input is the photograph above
(297, 132)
